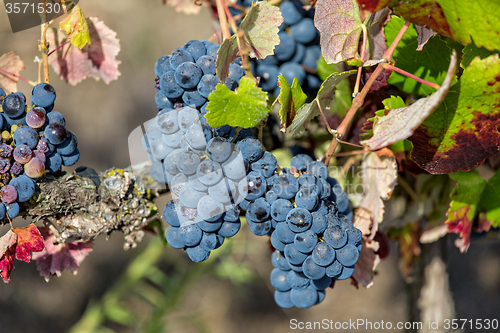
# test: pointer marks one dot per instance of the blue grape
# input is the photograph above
(229, 229)
(304, 31)
(299, 219)
(212, 50)
(180, 56)
(189, 197)
(43, 94)
(251, 149)
(279, 261)
(2, 205)
(279, 281)
(207, 83)
(209, 173)
(285, 186)
(271, 197)
(311, 56)
(195, 136)
(55, 133)
(284, 234)
(224, 191)
(196, 48)
(323, 254)
(334, 270)
(340, 197)
(71, 159)
(276, 243)
(254, 185)
(169, 86)
(291, 12)
(236, 72)
(162, 65)
(53, 163)
(291, 70)
(313, 270)
(232, 214)
(286, 49)
(197, 253)
(209, 208)
(68, 146)
(322, 283)
(207, 64)
(190, 234)
(170, 214)
(12, 209)
(354, 235)
(172, 237)
(304, 298)
(305, 241)
(188, 75)
(293, 255)
(347, 255)
(258, 210)
(219, 149)
(297, 280)
(260, 228)
(306, 198)
(193, 98)
(208, 241)
(56, 117)
(268, 76)
(29, 137)
(167, 121)
(187, 162)
(24, 186)
(300, 52)
(319, 223)
(266, 164)
(335, 236)
(280, 209)
(283, 299)
(346, 272)
(13, 106)
(213, 226)
(318, 169)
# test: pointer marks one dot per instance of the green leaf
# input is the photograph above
(325, 70)
(339, 25)
(471, 51)
(291, 99)
(473, 195)
(430, 64)
(76, 27)
(325, 97)
(245, 107)
(400, 123)
(260, 27)
(473, 19)
(462, 132)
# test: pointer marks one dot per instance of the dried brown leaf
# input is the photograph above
(11, 63)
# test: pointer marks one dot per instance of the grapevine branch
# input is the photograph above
(411, 76)
(4, 72)
(360, 98)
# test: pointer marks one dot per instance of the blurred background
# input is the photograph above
(156, 289)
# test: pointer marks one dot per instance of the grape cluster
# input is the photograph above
(296, 55)
(33, 140)
(187, 76)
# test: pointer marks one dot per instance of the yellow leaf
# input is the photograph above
(76, 27)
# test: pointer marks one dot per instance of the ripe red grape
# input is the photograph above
(35, 118)
(23, 154)
(8, 193)
(34, 168)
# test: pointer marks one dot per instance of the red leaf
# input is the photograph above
(18, 242)
(12, 63)
(97, 60)
(461, 225)
(29, 240)
(7, 250)
(56, 258)
(364, 269)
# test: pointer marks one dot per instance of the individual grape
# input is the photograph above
(311, 56)
(325, 189)
(266, 164)
(196, 137)
(285, 50)
(209, 208)
(224, 191)
(283, 299)
(208, 241)
(152, 130)
(340, 197)
(187, 162)
(56, 117)
(207, 83)
(258, 210)
(193, 98)
(34, 168)
(276, 243)
(43, 94)
(323, 254)
(170, 214)
(189, 197)
(306, 198)
(167, 121)
(268, 77)
(251, 149)
(309, 181)
(291, 13)
(13, 106)
(304, 31)
(280, 209)
(35, 118)
(279, 261)
(209, 173)
(55, 133)
(219, 149)
(354, 235)
(234, 167)
(5, 150)
(162, 65)
(8, 194)
(17, 168)
(236, 72)
(68, 146)
(297, 280)
(346, 272)
(254, 185)
(186, 117)
(197, 253)
(260, 228)
(284, 234)
(305, 241)
(190, 234)
(319, 223)
(279, 280)
(299, 219)
(318, 169)
(232, 213)
(293, 255)
(271, 197)
(196, 48)
(335, 236)
(12, 209)
(291, 70)
(285, 186)
(195, 183)
(29, 137)
(179, 57)
(188, 75)
(24, 186)
(162, 102)
(172, 237)
(300, 51)
(71, 159)
(207, 64)
(347, 255)
(22, 154)
(169, 87)
(304, 298)
(53, 162)
(322, 283)
(4, 165)
(313, 270)
(334, 270)
(229, 229)
(212, 50)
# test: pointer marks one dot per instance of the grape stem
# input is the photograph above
(360, 98)
(411, 76)
(360, 69)
(57, 48)
(43, 44)
(223, 20)
(4, 72)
